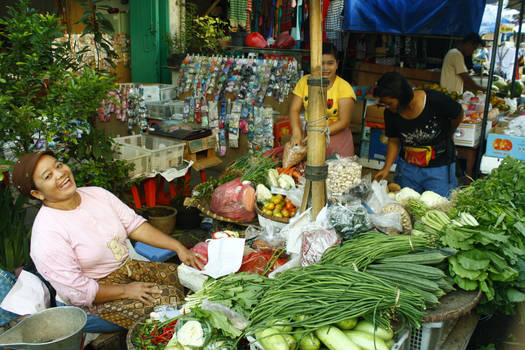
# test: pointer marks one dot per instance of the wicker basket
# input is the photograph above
(270, 217)
(205, 209)
(132, 332)
(454, 305)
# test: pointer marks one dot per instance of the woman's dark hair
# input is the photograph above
(329, 49)
(394, 85)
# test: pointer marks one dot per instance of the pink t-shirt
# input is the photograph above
(72, 249)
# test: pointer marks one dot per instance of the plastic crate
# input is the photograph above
(163, 153)
(401, 344)
(165, 110)
(133, 155)
(428, 336)
(159, 92)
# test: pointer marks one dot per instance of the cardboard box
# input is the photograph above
(378, 144)
(467, 135)
(375, 114)
(500, 145)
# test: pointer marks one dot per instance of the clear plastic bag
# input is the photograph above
(379, 196)
(389, 223)
(349, 219)
(316, 240)
(293, 155)
(343, 174)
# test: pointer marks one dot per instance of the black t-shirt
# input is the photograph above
(431, 128)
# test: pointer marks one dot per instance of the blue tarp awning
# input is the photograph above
(426, 17)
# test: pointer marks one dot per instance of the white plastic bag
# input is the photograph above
(379, 196)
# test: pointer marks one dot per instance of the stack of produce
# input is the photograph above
(487, 227)
(314, 298)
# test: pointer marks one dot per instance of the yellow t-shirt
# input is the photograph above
(340, 89)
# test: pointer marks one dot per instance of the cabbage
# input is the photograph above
(432, 199)
(405, 194)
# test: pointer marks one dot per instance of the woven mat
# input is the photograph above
(454, 305)
(205, 209)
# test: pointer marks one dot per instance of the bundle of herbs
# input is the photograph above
(492, 254)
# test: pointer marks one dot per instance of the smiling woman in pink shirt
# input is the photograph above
(78, 244)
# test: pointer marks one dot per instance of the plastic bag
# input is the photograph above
(293, 262)
(343, 174)
(234, 200)
(255, 39)
(202, 249)
(349, 219)
(379, 196)
(284, 41)
(389, 223)
(293, 155)
(237, 320)
(316, 240)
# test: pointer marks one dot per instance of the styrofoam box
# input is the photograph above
(401, 344)
(133, 155)
(163, 153)
(467, 135)
(159, 92)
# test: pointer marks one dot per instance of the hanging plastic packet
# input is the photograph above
(204, 112)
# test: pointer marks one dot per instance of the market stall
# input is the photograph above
(426, 261)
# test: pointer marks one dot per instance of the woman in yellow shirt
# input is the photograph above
(340, 101)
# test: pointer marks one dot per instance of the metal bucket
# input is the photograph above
(58, 328)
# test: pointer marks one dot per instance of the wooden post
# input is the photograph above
(317, 123)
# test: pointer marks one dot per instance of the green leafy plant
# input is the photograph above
(45, 97)
(91, 160)
(206, 33)
(14, 237)
(98, 26)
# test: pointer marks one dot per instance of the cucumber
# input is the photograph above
(366, 340)
(368, 327)
(349, 323)
(270, 339)
(335, 339)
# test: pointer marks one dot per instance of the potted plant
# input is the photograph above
(206, 33)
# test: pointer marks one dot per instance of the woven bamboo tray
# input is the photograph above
(205, 209)
(454, 305)
(270, 217)
(132, 332)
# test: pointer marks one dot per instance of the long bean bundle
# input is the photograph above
(319, 295)
(371, 246)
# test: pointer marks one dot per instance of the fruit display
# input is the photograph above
(279, 206)
(453, 94)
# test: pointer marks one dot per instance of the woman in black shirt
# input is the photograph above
(419, 126)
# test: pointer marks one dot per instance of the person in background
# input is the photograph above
(454, 72)
(340, 102)
(78, 244)
(419, 125)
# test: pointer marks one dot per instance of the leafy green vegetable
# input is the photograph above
(217, 320)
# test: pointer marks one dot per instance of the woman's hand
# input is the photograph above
(190, 258)
(142, 291)
(382, 174)
(296, 139)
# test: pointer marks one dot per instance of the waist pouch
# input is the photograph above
(419, 156)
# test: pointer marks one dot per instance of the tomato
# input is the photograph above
(268, 212)
(276, 211)
(286, 213)
(279, 206)
(289, 206)
(293, 212)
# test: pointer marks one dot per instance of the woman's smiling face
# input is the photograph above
(53, 181)
(329, 66)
